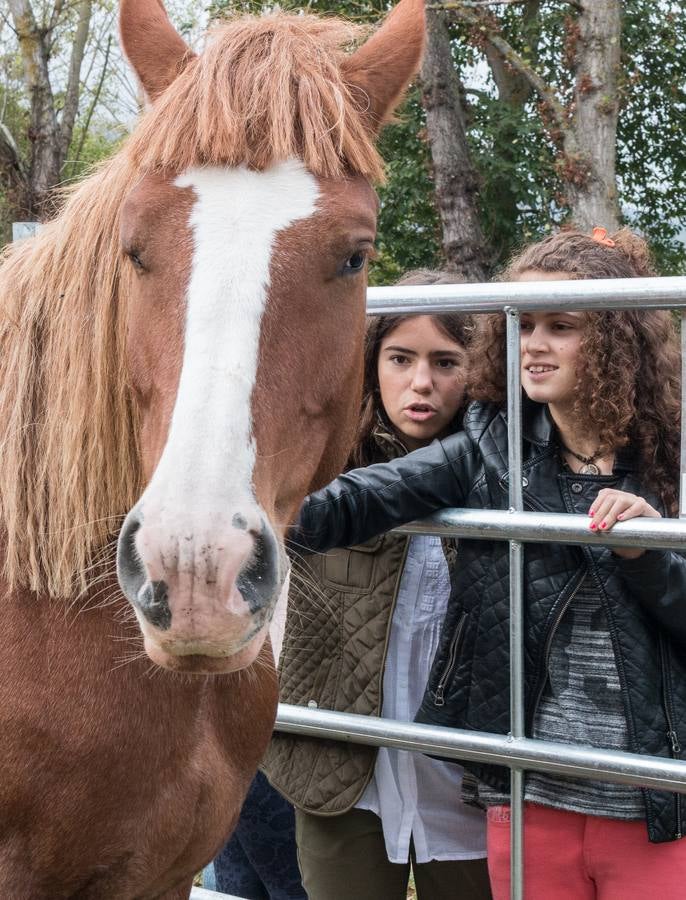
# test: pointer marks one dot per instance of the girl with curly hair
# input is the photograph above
(605, 629)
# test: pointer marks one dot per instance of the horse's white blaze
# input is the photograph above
(204, 476)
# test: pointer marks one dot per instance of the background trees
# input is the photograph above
(574, 113)
(529, 114)
(33, 148)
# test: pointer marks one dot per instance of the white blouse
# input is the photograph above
(417, 797)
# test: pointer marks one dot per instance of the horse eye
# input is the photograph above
(136, 260)
(354, 263)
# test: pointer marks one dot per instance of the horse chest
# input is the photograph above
(117, 782)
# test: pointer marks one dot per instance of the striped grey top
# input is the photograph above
(581, 704)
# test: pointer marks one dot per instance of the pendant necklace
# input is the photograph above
(589, 467)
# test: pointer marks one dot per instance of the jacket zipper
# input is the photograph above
(548, 645)
(439, 694)
(672, 735)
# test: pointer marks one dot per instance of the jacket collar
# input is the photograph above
(386, 439)
(537, 423)
(539, 429)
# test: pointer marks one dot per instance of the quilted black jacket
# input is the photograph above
(644, 599)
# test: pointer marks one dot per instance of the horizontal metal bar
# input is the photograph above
(526, 753)
(602, 293)
(543, 528)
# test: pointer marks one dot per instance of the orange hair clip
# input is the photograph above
(600, 235)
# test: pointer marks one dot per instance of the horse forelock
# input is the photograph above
(264, 90)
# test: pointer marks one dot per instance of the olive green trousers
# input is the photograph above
(344, 858)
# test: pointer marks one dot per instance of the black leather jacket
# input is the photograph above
(644, 598)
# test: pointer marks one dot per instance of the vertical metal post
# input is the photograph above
(514, 438)
(682, 466)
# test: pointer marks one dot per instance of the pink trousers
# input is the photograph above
(569, 856)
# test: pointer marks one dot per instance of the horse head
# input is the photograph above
(246, 237)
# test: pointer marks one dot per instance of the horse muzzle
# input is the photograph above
(203, 595)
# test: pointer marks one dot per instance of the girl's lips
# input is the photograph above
(419, 415)
(540, 376)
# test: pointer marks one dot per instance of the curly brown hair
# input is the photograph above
(628, 383)
(456, 326)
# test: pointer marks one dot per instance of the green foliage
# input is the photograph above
(521, 197)
(651, 146)
(97, 145)
(518, 180)
(408, 226)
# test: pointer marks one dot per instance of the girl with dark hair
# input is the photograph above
(605, 630)
(363, 624)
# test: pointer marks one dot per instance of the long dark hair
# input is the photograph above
(456, 326)
(629, 386)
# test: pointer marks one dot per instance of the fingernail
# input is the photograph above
(591, 513)
(603, 524)
(620, 516)
(593, 526)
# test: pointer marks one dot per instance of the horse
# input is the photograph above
(180, 363)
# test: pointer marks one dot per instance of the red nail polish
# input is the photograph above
(591, 513)
(603, 524)
(593, 526)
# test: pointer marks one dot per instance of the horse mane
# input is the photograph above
(264, 90)
(69, 463)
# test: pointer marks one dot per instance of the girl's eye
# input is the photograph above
(399, 359)
(446, 363)
(355, 263)
(563, 326)
(525, 326)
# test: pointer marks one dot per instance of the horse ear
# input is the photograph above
(381, 69)
(152, 46)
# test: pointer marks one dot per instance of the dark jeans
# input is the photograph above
(260, 862)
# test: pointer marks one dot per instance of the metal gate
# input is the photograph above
(515, 750)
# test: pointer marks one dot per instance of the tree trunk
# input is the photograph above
(456, 181)
(49, 138)
(588, 164)
(587, 131)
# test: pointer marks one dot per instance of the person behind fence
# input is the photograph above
(259, 861)
(605, 628)
(362, 627)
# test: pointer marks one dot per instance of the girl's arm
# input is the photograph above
(657, 578)
(368, 501)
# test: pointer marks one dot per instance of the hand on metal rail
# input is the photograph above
(612, 506)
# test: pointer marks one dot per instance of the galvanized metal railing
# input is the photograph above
(515, 750)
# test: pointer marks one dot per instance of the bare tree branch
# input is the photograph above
(510, 55)
(513, 87)
(71, 97)
(55, 15)
(12, 170)
(91, 108)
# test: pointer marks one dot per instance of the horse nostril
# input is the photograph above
(130, 571)
(258, 582)
(153, 602)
